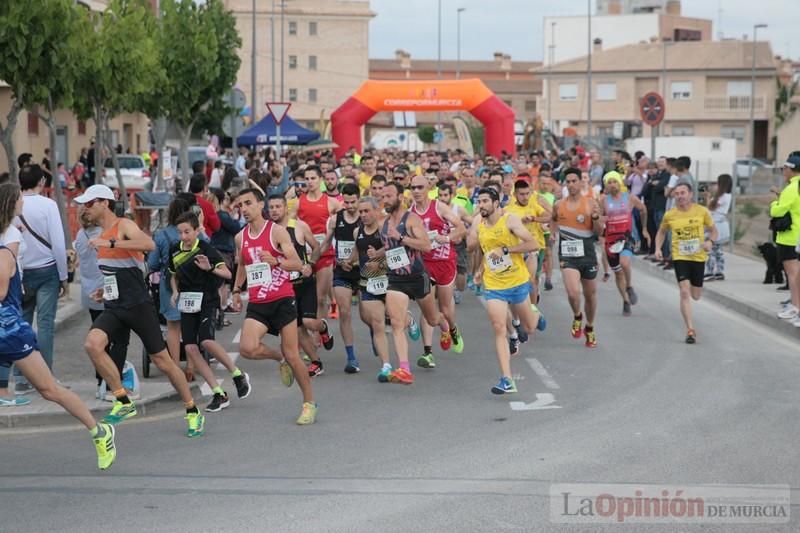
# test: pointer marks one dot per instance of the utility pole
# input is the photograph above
(283, 10)
(458, 41)
(253, 70)
(589, 73)
(272, 49)
(439, 76)
(550, 61)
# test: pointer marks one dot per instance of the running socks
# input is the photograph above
(515, 322)
(428, 349)
(218, 390)
(98, 432)
(191, 407)
(454, 332)
(122, 395)
(405, 366)
(236, 372)
(387, 367)
(588, 328)
(351, 355)
(579, 316)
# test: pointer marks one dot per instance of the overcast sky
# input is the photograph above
(515, 26)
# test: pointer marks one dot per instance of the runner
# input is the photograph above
(463, 209)
(688, 222)
(341, 227)
(502, 239)
(197, 270)
(617, 208)
(127, 305)
(546, 187)
(576, 221)
(444, 229)
(405, 239)
(266, 258)
(18, 341)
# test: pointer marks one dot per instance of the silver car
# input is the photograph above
(135, 173)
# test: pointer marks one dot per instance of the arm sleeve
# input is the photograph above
(784, 203)
(56, 234)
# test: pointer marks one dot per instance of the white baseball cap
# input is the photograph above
(95, 192)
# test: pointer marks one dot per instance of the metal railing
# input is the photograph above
(733, 103)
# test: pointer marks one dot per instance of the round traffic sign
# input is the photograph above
(651, 109)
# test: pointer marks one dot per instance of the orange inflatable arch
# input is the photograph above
(425, 95)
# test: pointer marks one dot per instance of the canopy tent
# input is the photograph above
(263, 132)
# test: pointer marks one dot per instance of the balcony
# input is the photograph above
(734, 104)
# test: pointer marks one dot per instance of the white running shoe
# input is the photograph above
(789, 313)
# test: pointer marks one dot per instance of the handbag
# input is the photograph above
(783, 223)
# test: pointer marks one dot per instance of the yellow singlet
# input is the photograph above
(510, 271)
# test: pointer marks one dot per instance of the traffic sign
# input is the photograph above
(651, 109)
(278, 110)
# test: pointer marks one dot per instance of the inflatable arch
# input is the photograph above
(425, 95)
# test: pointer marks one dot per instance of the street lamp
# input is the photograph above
(283, 10)
(458, 41)
(253, 70)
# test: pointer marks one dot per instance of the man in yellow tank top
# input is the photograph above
(502, 239)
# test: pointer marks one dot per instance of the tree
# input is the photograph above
(426, 133)
(118, 69)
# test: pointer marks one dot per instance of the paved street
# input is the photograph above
(443, 454)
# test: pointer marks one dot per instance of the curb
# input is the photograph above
(747, 309)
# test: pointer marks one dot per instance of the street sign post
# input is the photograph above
(651, 108)
(236, 101)
(278, 111)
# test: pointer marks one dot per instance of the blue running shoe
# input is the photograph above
(504, 386)
(542, 324)
(479, 290)
(383, 375)
(521, 333)
(413, 328)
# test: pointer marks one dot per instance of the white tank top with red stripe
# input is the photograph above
(265, 284)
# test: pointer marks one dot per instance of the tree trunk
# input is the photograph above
(7, 139)
(186, 172)
(159, 131)
(50, 120)
(99, 144)
(123, 193)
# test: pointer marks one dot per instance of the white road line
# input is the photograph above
(237, 336)
(543, 401)
(232, 355)
(543, 374)
(205, 390)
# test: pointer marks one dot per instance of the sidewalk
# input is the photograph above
(742, 290)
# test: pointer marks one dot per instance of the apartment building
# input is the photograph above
(325, 53)
(705, 84)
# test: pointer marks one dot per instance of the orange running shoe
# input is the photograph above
(334, 311)
(401, 375)
(445, 340)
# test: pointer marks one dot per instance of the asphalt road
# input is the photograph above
(443, 454)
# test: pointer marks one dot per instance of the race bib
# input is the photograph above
(573, 248)
(497, 264)
(617, 247)
(377, 286)
(689, 246)
(190, 302)
(258, 274)
(432, 235)
(110, 288)
(397, 258)
(344, 249)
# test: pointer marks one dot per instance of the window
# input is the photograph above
(681, 90)
(682, 131)
(733, 132)
(312, 62)
(81, 127)
(312, 28)
(738, 88)
(292, 62)
(292, 27)
(530, 106)
(568, 92)
(292, 95)
(33, 124)
(606, 91)
(312, 95)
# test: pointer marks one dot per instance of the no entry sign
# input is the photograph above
(651, 109)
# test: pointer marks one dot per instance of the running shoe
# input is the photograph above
(691, 337)
(626, 309)
(105, 446)
(308, 415)
(326, 337)
(591, 338)
(521, 333)
(668, 266)
(426, 361)
(789, 313)
(577, 324)
(541, 325)
(479, 290)
(287, 376)
(119, 412)
(445, 341)
(315, 369)
(218, 402)
(413, 328)
(383, 375)
(242, 383)
(513, 346)
(458, 341)
(504, 386)
(22, 388)
(197, 423)
(400, 375)
(796, 322)
(470, 283)
(333, 313)
(709, 277)
(13, 402)
(632, 296)
(719, 277)
(548, 285)
(352, 367)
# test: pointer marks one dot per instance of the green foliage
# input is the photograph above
(749, 209)
(740, 231)
(425, 134)
(476, 133)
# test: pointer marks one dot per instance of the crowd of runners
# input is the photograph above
(398, 236)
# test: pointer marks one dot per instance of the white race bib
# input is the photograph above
(344, 249)
(397, 258)
(110, 288)
(497, 264)
(377, 286)
(572, 248)
(190, 302)
(258, 274)
(617, 247)
(432, 234)
(689, 246)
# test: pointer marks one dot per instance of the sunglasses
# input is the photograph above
(90, 203)
(301, 184)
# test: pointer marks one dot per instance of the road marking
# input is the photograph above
(237, 336)
(543, 401)
(234, 357)
(543, 374)
(205, 390)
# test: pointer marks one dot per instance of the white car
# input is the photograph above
(135, 174)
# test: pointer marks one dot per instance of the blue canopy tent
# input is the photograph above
(263, 132)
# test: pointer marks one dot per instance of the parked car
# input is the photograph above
(135, 174)
(761, 172)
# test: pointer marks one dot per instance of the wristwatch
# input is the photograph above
(505, 250)
(112, 243)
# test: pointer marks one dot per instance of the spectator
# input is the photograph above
(198, 187)
(44, 266)
(46, 168)
(241, 162)
(656, 201)
(215, 181)
(223, 240)
(719, 204)
(788, 203)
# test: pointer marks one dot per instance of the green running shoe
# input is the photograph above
(426, 361)
(119, 412)
(458, 341)
(197, 424)
(308, 414)
(105, 447)
(287, 376)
